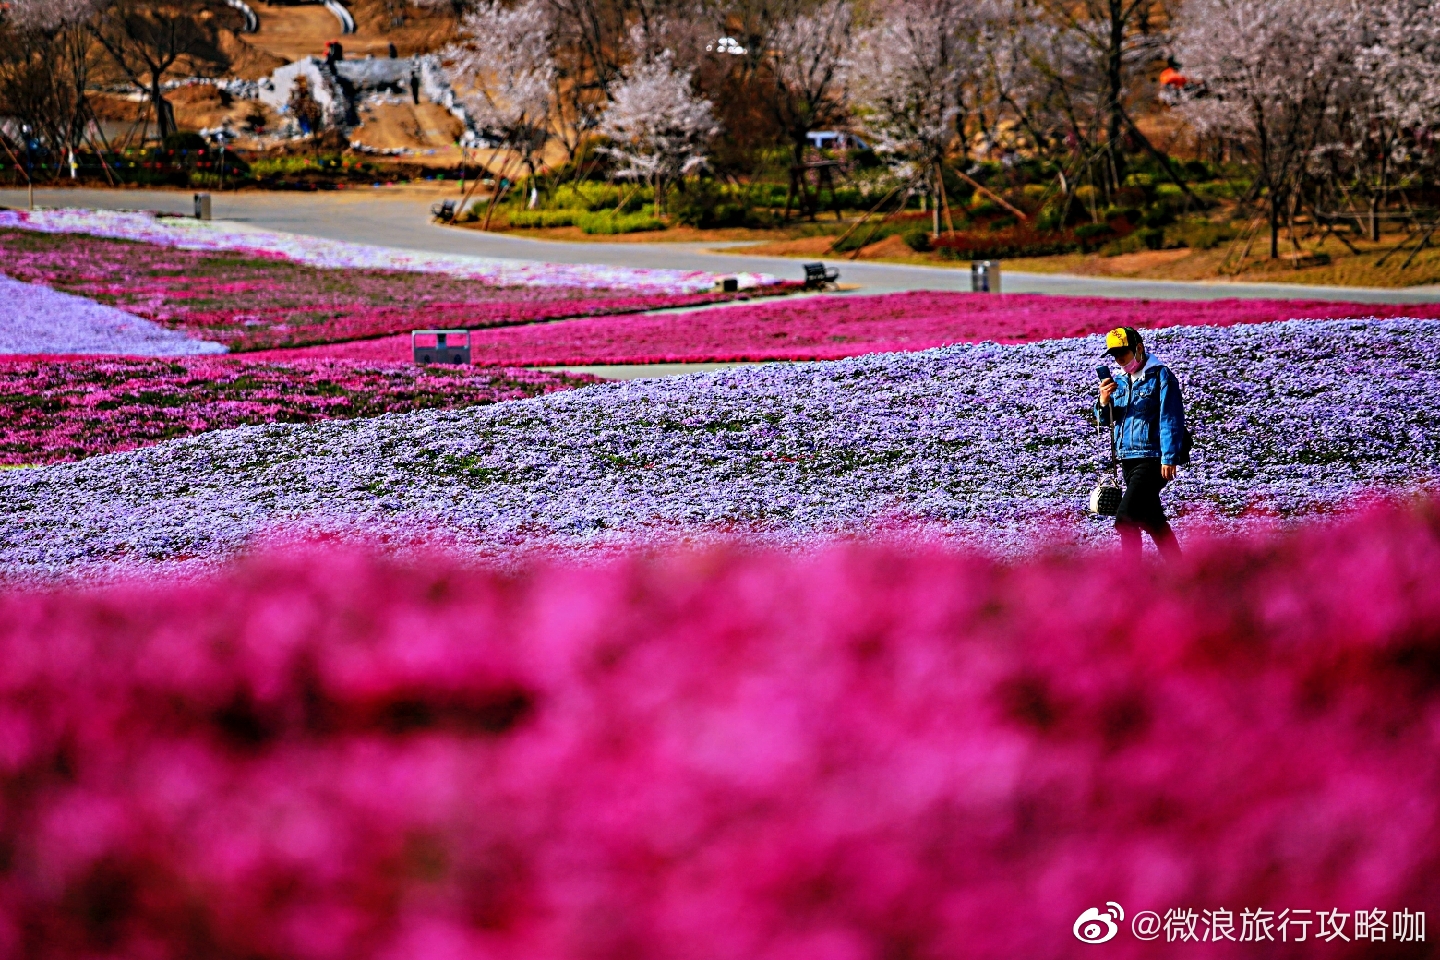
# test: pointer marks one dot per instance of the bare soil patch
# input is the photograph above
(422, 126)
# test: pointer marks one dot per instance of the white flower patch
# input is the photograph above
(36, 319)
(990, 444)
(188, 234)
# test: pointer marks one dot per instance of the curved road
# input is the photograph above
(399, 217)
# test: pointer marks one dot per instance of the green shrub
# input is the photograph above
(1093, 231)
(981, 205)
(917, 239)
(774, 194)
(1203, 236)
(707, 204)
(875, 231)
(1169, 193)
(532, 219)
(1222, 190)
(599, 196)
(1153, 238)
(848, 198)
(1157, 216)
(606, 222)
(185, 140)
(1050, 218)
(1131, 243)
(281, 166)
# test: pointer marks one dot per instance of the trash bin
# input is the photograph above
(202, 206)
(444, 350)
(984, 276)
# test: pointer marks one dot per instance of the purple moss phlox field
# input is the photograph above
(829, 328)
(733, 755)
(54, 409)
(249, 301)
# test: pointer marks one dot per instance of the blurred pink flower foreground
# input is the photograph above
(859, 753)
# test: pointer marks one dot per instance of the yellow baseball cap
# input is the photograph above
(1122, 338)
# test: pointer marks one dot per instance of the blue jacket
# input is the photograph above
(1149, 414)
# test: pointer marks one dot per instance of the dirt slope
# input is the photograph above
(419, 127)
(289, 32)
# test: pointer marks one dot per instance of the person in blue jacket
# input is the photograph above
(1148, 416)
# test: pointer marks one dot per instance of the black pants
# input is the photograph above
(1140, 509)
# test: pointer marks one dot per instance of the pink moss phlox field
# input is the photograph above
(829, 328)
(185, 233)
(733, 755)
(54, 409)
(254, 302)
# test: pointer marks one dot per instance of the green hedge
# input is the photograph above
(531, 219)
(599, 196)
(600, 221)
(607, 223)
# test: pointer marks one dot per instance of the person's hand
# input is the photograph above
(1106, 390)
(1168, 471)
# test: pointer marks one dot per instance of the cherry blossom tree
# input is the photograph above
(47, 14)
(505, 74)
(1387, 108)
(808, 53)
(1270, 70)
(914, 66)
(659, 127)
(583, 48)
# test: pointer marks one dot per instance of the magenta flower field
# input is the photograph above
(309, 652)
(832, 327)
(735, 755)
(248, 301)
(54, 409)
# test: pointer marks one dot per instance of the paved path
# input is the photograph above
(643, 371)
(399, 217)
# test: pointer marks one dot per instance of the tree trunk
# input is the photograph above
(1115, 81)
(802, 184)
(164, 112)
(1376, 200)
(1274, 225)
